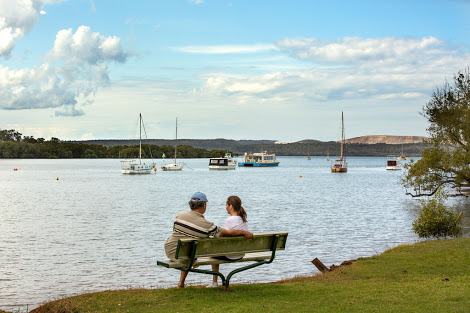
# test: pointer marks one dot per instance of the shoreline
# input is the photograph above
(409, 277)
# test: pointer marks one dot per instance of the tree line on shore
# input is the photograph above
(13, 145)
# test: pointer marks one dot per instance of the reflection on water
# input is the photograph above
(75, 226)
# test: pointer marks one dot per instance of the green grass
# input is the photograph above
(431, 276)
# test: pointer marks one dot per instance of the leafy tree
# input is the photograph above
(89, 154)
(436, 220)
(447, 162)
(10, 135)
(29, 139)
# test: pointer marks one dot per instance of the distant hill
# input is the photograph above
(359, 146)
(390, 140)
(208, 144)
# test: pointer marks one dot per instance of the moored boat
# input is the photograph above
(402, 156)
(393, 164)
(174, 166)
(259, 160)
(340, 165)
(225, 163)
(134, 166)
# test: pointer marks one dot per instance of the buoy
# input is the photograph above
(155, 169)
(57, 178)
(300, 176)
(15, 169)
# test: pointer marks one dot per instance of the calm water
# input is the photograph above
(95, 229)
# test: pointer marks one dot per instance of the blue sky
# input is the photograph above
(282, 70)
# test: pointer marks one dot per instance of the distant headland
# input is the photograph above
(377, 145)
(390, 140)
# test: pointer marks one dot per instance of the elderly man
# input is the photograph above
(192, 224)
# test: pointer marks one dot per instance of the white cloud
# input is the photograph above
(17, 18)
(347, 69)
(226, 49)
(85, 47)
(76, 67)
(353, 50)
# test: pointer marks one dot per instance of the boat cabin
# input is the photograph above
(218, 162)
(393, 163)
(259, 159)
(225, 163)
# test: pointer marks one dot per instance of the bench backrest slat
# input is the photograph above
(208, 247)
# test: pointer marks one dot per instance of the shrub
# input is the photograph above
(436, 220)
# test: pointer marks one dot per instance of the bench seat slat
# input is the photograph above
(259, 256)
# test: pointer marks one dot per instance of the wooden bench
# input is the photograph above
(260, 249)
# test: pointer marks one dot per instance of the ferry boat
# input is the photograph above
(225, 163)
(393, 164)
(259, 159)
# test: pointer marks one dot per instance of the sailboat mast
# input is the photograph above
(140, 137)
(176, 138)
(342, 135)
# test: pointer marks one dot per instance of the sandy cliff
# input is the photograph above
(386, 139)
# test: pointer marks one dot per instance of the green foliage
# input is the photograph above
(436, 220)
(9, 135)
(447, 162)
(13, 146)
(89, 154)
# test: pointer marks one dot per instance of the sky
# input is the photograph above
(238, 69)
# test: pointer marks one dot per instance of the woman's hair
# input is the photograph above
(196, 203)
(236, 203)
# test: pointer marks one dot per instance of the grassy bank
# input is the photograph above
(432, 276)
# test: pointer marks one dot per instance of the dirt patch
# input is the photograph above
(345, 263)
(308, 277)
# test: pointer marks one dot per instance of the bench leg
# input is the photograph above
(241, 269)
(226, 281)
(222, 277)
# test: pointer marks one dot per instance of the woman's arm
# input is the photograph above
(235, 232)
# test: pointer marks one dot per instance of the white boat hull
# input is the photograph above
(223, 167)
(132, 167)
(138, 172)
(172, 167)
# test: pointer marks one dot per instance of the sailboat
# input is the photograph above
(129, 166)
(174, 166)
(340, 165)
(402, 155)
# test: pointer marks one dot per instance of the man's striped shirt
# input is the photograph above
(189, 224)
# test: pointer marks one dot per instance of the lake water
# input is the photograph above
(74, 226)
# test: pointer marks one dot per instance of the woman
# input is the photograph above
(236, 221)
